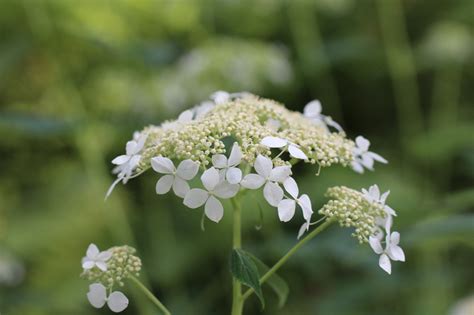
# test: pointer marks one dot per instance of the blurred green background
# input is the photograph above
(78, 77)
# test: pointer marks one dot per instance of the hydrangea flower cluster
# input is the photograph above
(107, 270)
(371, 218)
(239, 141)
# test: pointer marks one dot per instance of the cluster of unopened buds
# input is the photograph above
(240, 142)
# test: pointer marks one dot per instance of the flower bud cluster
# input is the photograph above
(121, 265)
(245, 119)
(351, 209)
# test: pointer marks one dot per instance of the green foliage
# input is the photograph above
(243, 268)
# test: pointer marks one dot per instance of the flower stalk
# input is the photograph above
(150, 296)
(287, 256)
(237, 301)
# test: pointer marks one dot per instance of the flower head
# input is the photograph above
(269, 177)
(97, 296)
(95, 258)
(229, 166)
(175, 178)
(121, 265)
(363, 158)
(215, 188)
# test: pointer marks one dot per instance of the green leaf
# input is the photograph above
(277, 283)
(244, 269)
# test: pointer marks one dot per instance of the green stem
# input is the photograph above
(290, 253)
(150, 295)
(237, 301)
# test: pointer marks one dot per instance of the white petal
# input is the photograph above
(111, 188)
(214, 209)
(396, 253)
(377, 157)
(384, 263)
(162, 165)
(117, 302)
(121, 159)
(305, 204)
(92, 251)
(390, 211)
(195, 198)
(384, 196)
(362, 143)
(273, 124)
(186, 116)
(286, 209)
(273, 193)
(131, 147)
(296, 153)
(220, 97)
(263, 166)
(97, 295)
(180, 187)
(252, 181)
(225, 190)
(376, 245)
(163, 185)
(374, 192)
(291, 187)
(235, 155)
(101, 265)
(367, 161)
(312, 109)
(140, 143)
(395, 238)
(210, 178)
(234, 175)
(280, 174)
(274, 142)
(330, 122)
(357, 167)
(219, 160)
(187, 169)
(104, 256)
(87, 263)
(303, 229)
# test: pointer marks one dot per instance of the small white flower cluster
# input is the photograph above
(107, 269)
(367, 212)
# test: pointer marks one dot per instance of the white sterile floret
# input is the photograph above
(391, 251)
(95, 258)
(286, 207)
(229, 166)
(215, 188)
(97, 296)
(175, 178)
(279, 143)
(313, 110)
(269, 176)
(128, 162)
(220, 97)
(363, 158)
(373, 195)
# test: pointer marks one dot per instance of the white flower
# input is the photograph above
(128, 162)
(363, 157)
(391, 251)
(97, 296)
(220, 97)
(203, 108)
(215, 188)
(286, 207)
(373, 195)
(94, 257)
(176, 178)
(313, 110)
(293, 149)
(270, 177)
(228, 167)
